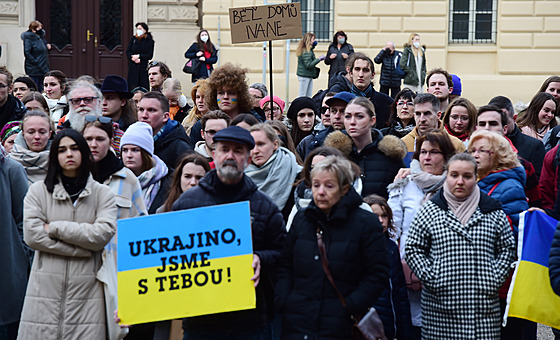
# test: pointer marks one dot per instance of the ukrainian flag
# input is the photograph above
(530, 295)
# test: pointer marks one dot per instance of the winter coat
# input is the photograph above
(172, 144)
(13, 109)
(36, 54)
(380, 161)
(548, 183)
(306, 64)
(355, 248)
(382, 104)
(461, 268)
(528, 147)
(509, 191)
(309, 143)
(14, 254)
(339, 83)
(138, 73)
(268, 233)
(408, 65)
(64, 300)
(410, 140)
(388, 62)
(393, 307)
(203, 71)
(338, 63)
(554, 262)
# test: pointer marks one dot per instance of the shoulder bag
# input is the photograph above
(191, 66)
(369, 327)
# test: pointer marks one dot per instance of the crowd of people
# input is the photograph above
(408, 202)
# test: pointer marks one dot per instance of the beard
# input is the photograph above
(76, 117)
(229, 171)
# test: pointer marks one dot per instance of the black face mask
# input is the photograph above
(40, 32)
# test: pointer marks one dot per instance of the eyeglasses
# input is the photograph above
(101, 119)
(275, 109)
(86, 100)
(324, 110)
(474, 151)
(210, 132)
(3, 86)
(461, 118)
(430, 152)
(401, 102)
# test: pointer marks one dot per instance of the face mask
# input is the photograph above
(204, 38)
(341, 41)
(314, 43)
(139, 32)
(41, 32)
(416, 44)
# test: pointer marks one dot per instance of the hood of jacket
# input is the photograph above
(392, 146)
(341, 80)
(171, 133)
(517, 173)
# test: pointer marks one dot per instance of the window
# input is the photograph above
(472, 21)
(317, 17)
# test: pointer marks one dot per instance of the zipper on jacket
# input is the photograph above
(63, 301)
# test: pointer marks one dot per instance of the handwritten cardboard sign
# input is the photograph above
(263, 23)
(185, 263)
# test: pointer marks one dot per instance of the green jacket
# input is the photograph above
(306, 65)
(408, 65)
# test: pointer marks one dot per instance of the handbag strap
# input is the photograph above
(325, 264)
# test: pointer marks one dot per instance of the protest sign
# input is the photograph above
(185, 263)
(265, 23)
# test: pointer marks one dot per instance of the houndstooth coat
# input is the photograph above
(462, 268)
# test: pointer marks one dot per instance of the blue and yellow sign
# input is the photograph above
(185, 263)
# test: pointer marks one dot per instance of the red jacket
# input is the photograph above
(548, 182)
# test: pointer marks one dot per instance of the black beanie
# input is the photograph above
(301, 103)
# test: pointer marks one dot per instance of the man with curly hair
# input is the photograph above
(228, 91)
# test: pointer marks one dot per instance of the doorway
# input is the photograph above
(87, 37)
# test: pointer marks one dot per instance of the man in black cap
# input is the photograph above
(337, 104)
(116, 101)
(228, 184)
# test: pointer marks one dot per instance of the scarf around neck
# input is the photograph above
(428, 183)
(106, 167)
(276, 177)
(34, 163)
(403, 131)
(367, 93)
(150, 181)
(462, 208)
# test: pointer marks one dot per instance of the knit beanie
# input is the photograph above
(139, 134)
(457, 86)
(9, 129)
(301, 103)
(275, 99)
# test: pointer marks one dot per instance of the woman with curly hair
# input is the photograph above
(228, 91)
(459, 118)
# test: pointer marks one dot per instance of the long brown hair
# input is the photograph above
(175, 190)
(305, 43)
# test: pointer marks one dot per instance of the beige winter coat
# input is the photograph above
(64, 300)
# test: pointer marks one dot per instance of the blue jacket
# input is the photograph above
(509, 191)
(393, 306)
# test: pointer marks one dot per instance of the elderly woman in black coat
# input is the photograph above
(354, 248)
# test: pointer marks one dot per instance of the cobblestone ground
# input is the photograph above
(544, 333)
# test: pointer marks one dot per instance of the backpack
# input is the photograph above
(398, 70)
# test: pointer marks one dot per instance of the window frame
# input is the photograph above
(309, 24)
(472, 13)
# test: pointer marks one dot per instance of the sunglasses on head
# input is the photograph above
(101, 119)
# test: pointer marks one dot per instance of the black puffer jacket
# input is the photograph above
(36, 54)
(13, 109)
(380, 161)
(388, 63)
(173, 144)
(338, 63)
(357, 257)
(339, 83)
(269, 236)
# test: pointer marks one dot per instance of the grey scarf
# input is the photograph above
(276, 177)
(34, 163)
(428, 183)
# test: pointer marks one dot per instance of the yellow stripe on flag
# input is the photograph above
(226, 282)
(532, 297)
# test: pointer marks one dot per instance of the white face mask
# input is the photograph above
(204, 38)
(416, 44)
(139, 32)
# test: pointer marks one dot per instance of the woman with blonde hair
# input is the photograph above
(500, 175)
(306, 69)
(413, 63)
(200, 108)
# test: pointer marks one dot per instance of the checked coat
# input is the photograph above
(461, 267)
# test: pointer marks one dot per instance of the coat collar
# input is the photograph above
(59, 193)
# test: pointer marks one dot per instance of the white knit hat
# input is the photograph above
(139, 134)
